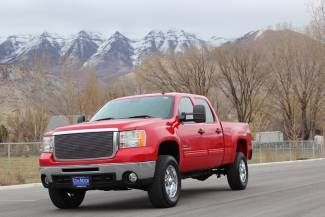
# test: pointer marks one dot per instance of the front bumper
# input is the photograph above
(110, 175)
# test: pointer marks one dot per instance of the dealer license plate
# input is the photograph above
(81, 181)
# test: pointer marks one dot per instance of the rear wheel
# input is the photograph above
(66, 199)
(166, 187)
(237, 173)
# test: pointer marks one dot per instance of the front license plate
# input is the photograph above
(81, 181)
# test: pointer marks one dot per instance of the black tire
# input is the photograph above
(233, 173)
(157, 192)
(66, 199)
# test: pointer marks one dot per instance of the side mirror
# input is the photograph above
(199, 114)
(81, 119)
(183, 116)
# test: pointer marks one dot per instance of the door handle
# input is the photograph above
(201, 131)
(218, 131)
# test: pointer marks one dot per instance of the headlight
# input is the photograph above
(132, 139)
(48, 144)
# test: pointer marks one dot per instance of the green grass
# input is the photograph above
(19, 170)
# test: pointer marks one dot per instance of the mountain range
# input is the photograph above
(113, 55)
(110, 56)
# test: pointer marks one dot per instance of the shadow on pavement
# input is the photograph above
(142, 202)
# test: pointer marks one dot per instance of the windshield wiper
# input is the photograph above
(104, 119)
(141, 116)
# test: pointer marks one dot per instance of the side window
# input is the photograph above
(185, 105)
(208, 112)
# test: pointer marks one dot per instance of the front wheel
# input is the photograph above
(166, 187)
(66, 199)
(237, 173)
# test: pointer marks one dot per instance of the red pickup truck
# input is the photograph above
(147, 142)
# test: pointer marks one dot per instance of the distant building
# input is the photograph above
(271, 136)
(61, 120)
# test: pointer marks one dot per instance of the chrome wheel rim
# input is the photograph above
(171, 182)
(242, 171)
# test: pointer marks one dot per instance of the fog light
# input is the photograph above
(45, 181)
(132, 177)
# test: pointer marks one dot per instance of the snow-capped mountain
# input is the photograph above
(81, 47)
(46, 46)
(28, 49)
(159, 41)
(113, 55)
(218, 41)
(12, 46)
(252, 35)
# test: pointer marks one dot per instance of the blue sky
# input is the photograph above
(223, 18)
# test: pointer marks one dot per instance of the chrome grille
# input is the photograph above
(90, 145)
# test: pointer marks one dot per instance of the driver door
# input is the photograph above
(194, 149)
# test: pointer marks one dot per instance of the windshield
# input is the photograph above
(139, 107)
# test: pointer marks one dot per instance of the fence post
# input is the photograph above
(9, 158)
(290, 148)
(276, 147)
(276, 151)
(313, 149)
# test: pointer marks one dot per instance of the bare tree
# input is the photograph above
(317, 30)
(283, 92)
(3, 133)
(309, 86)
(189, 71)
(243, 74)
(91, 95)
(317, 25)
(298, 68)
(27, 124)
(67, 100)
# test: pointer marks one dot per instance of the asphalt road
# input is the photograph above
(293, 189)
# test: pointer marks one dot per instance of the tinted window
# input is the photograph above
(208, 112)
(153, 106)
(185, 105)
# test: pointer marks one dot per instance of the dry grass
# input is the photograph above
(19, 170)
(273, 156)
(270, 156)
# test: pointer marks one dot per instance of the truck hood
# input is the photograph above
(120, 124)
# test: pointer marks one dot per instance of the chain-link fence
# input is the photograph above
(19, 161)
(287, 150)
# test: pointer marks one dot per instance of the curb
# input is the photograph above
(285, 162)
(23, 186)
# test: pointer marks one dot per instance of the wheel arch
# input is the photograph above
(242, 146)
(170, 147)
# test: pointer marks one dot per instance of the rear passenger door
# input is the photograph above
(212, 135)
(195, 152)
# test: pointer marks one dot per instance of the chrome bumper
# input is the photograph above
(144, 170)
